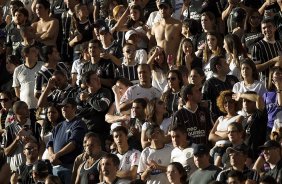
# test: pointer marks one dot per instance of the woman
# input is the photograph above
(219, 133)
(176, 174)
(186, 55)
(197, 77)
(156, 114)
(250, 79)
(159, 67)
(213, 47)
(172, 95)
(235, 52)
(273, 98)
(252, 30)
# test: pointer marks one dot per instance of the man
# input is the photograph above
(255, 121)
(31, 150)
(183, 148)
(238, 157)
(206, 172)
(109, 167)
(266, 52)
(235, 177)
(88, 171)
(40, 171)
(94, 103)
(24, 78)
(167, 32)
(142, 90)
(194, 118)
(46, 28)
(154, 159)
(272, 155)
(104, 67)
(66, 141)
(57, 90)
(219, 82)
(129, 158)
(51, 58)
(18, 133)
(13, 30)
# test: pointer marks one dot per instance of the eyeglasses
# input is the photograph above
(4, 100)
(171, 78)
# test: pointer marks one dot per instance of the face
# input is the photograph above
(173, 81)
(40, 10)
(178, 138)
(173, 174)
(246, 71)
(121, 88)
(157, 134)
(197, 94)
(94, 82)
(187, 48)
(83, 12)
(224, 66)
(31, 150)
(144, 74)
(68, 111)
(277, 76)
(33, 54)
(206, 23)
(249, 106)
(164, 11)
(129, 51)
(268, 30)
(159, 59)
(23, 113)
(61, 81)
(55, 54)
(195, 78)
(19, 18)
(107, 166)
(229, 104)
(120, 138)
(212, 42)
(134, 14)
(105, 36)
(91, 146)
(52, 114)
(255, 19)
(94, 50)
(5, 102)
(237, 158)
(234, 135)
(137, 110)
(271, 154)
(201, 160)
(160, 107)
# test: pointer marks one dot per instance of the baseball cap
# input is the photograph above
(68, 101)
(166, 2)
(239, 148)
(270, 144)
(40, 167)
(200, 149)
(129, 33)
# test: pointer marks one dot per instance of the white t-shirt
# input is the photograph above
(257, 86)
(162, 157)
(141, 56)
(164, 126)
(137, 91)
(24, 78)
(185, 157)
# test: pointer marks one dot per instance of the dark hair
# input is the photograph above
(125, 81)
(114, 158)
(271, 86)
(26, 49)
(141, 101)
(214, 62)
(151, 110)
(21, 10)
(150, 130)
(238, 126)
(201, 72)
(267, 179)
(9, 94)
(219, 50)
(89, 135)
(268, 20)
(130, 21)
(181, 170)
(95, 41)
(248, 61)
(18, 105)
(87, 76)
(120, 129)
(44, 3)
(144, 65)
(45, 51)
(236, 174)
(178, 127)
(183, 70)
(164, 66)
(185, 91)
(192, 24)
(211, 16)
(248, 25)
(47, 126)
(181, 54)
(16, 3)
(54, 179)
(59, 72)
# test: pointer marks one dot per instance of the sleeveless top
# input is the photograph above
(90, 175)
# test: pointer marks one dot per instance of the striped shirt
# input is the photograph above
(248, 174)
(58, 95)
(129, 72)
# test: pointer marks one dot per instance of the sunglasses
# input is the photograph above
(4, 100)
(171, 78)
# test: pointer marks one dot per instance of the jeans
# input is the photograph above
(64, 172)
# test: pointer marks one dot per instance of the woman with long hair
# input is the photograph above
(176, 174)
(250, 79)
(197, 77)
(213, 47)
(159, 67)
(235, 52)
(186, 55)
(156, 113)
(171, 96)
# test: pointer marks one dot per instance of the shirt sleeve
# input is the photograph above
(135, 158)
(16, 82)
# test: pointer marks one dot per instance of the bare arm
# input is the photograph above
(252, 97)
(226, 12)
(42, 101)
(126, 105)
(131, 174)
(52, 31)
(213, 136)
(119, 26)
(263, 66)
(144, 140)
(17, 91)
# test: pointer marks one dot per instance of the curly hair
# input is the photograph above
(220, 100)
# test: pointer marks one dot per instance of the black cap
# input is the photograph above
(239, 148)
(166, 2)
(68, 101)
(99, 23)
(270, 144)
(104, 30)
(200, 149)
(40, 167)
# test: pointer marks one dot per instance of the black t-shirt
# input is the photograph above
(204, 176)
(276, 172)
(249, 40)
(25, 174)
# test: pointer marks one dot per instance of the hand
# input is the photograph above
(158, 51)
(51, 83)
(202, 46)
(83, 96)
(153, 164)
(236, 96)
(125, 117)
(105, 55)
(115, 89)
(78, 37)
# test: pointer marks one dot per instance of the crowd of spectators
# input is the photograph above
(141, 91)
